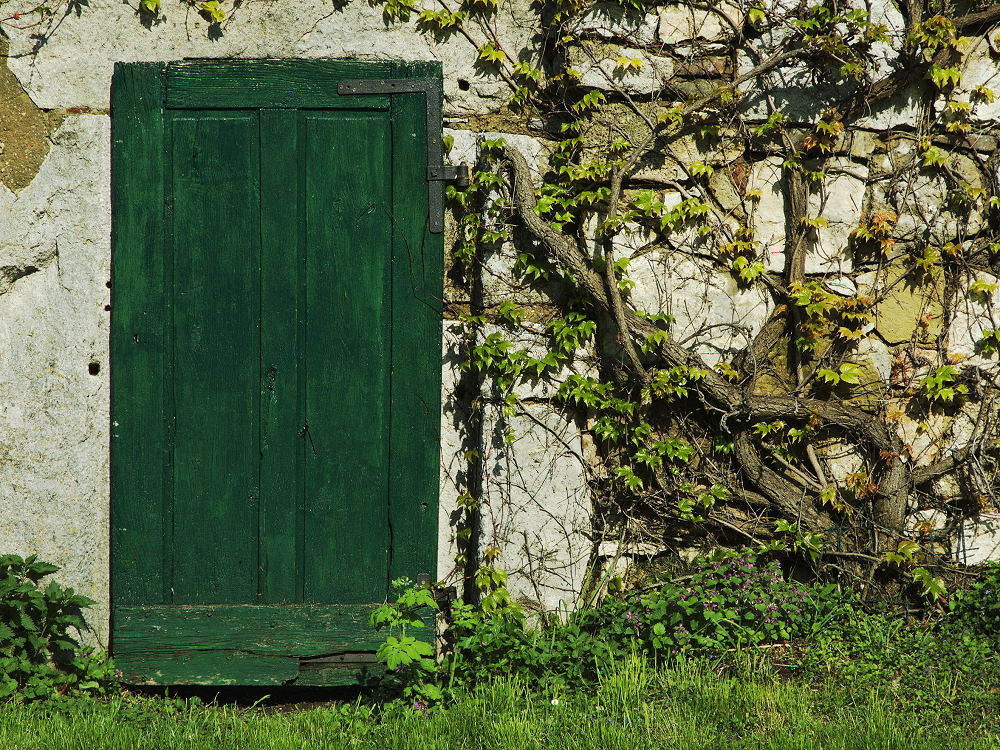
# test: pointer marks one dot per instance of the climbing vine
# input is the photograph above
(737, 448)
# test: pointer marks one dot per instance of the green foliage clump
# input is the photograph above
(39, 656)
(734, 603)
(725, 604)
(977, 608)
(927, 667)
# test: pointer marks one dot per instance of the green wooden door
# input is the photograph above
(275, 335)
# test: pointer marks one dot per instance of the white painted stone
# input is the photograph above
(845, 286)
(922, 437)
(536, 505)
(682, 23)
(53, 413)
(841, 459)
(630, 549)
(768, 215)
(922, 201)
(839, 201)
(967, 426)
(73, 68)
(925, 521)
(871, 350)
(606, 75)
(979, 539)
(615, 22)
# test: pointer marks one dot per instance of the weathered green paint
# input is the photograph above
(281, 366)
(275, 84)
(215, 305)
(139, 430)
(297, 631)
(348, 236)
(416, 357)
(275, 366)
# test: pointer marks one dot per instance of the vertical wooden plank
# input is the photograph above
(417, 279)
(138, 429)
(280, 405)
(216, 292)
(347, 157)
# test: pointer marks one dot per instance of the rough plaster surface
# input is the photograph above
(455, 440)
(73, 67)
(536, 505)
(53, 413)
(534, 494)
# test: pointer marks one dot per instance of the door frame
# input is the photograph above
(141, 546)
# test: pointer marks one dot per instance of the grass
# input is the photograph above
(689, 704)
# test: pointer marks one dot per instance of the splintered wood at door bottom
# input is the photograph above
(246, 645)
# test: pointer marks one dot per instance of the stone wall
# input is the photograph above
(537, 503)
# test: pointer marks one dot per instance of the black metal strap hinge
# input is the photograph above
(437, 173)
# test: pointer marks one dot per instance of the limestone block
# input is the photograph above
(605, 74)
(973, 314)
(53, 325)
(801, 94)
(73, 68)
(711, 312)
(536, 505)
(839, 201)
(663, 165)
(616, 22)
(980, 68)
(682, 23)
(979, 539)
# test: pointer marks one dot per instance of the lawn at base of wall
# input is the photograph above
(688, 706)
